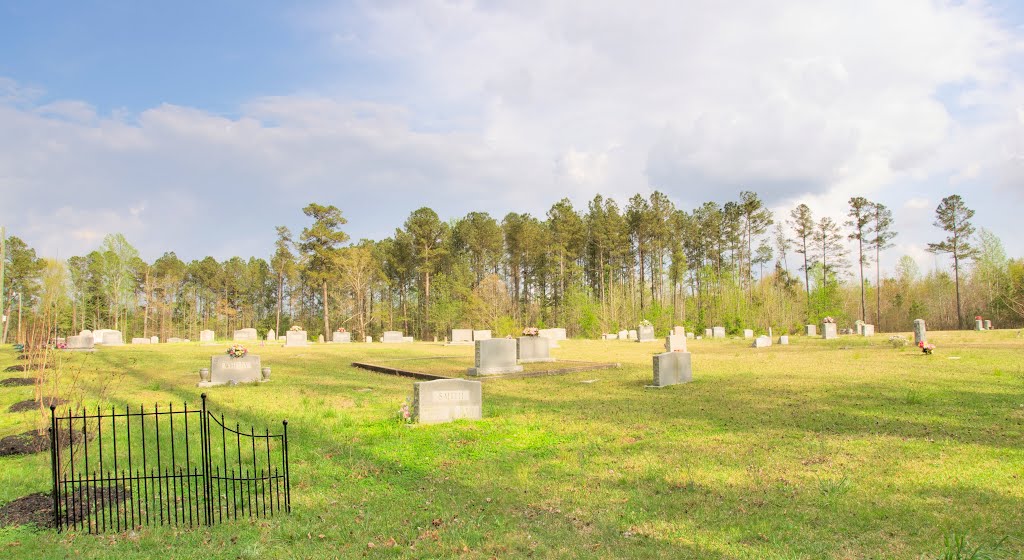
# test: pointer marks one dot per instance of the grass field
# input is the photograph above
(839, 449)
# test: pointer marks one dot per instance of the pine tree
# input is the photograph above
(954, 217)
(320, 245)
(860, 217)
(881, 227)
(803, 226)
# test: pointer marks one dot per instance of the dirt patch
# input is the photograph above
(33, 404)
(17, 382)
(31, 442)
(37, 508)
(15, 368)
(34, 509)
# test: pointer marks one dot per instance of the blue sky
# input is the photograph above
(154, 119)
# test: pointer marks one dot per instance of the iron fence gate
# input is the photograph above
(120, 470)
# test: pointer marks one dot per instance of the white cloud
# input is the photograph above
(509, 107)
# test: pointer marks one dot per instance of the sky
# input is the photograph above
(197, 127)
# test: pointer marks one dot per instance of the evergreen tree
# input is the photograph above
(320, 245)
(954, 217)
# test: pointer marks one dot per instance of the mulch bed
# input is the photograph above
(37, 508)
(33, 404)
(17, 382)
(31, 442)
(15, 368)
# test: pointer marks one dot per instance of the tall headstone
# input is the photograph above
(979, 325)
(748, 333)
(295, 338)
(481, 335)
(920, 332)
(271, 335)
(462, 336)
(225, 370)
(718, 332)
(154, 339)
(531, 349)
(645, 333)
(675, 343)
(206, 336)
(829, 331)
(762, 342)
(445, 400)
(867, 330)
(811, 330)
(495, 356)
(988, 324)
(784, 340)
(672, 368)
(341, 337)
(709, 333)
(859, 325)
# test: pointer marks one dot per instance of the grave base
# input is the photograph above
(535, 360)
(219, 383)
(494, 371)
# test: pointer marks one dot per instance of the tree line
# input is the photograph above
(591, 270)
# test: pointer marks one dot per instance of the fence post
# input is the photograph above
(287, 480)
(54, 465)
(204, 428)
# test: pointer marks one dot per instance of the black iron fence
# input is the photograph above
(119, 470)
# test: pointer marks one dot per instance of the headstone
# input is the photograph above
(979, 325)
(623, 335)
(675, 343)
(320, 338)
(98, 334)
(811, 330)
(859, 325)
(175, 340)
(718, 332)
(748, 333)
(645, 333)
(225, 370)
(988, 324)
(769, 332)
(445, 400)
(462, 336)
(369, 339)
(531, 349)
(672, 368)
(610, 336)
(829, 331)
(85, 332)
(112, 338)
(295, 338)
(154, 339)
(631, 334)
(481, 335)
(408, 339)
(920, 332)
(281, 338)
(271, 335)
(495, 356)
(689, 335)
(391, 337)
(141, 341)
(245, 334)
(709, 333)
(762, 342)
(784, 340)
(867, 330)
(341, 337)
(681, 331)
(81, 343)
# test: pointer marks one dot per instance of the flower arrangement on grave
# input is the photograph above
(340, 329)
(61, 346)
(828, 320)
(897, 341)
(977, 317)
(295, 328)
(926, 347)
(531, 331)
(237, 351)
(646, 323)
(404, 414)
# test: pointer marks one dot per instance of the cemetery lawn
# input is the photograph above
(838, 449)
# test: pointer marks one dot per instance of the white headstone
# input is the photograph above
(495, 356)
(296, 338)
(645, 333)
(531, 349)
(445, 400)
(672, 368)
(271, 335)
(245, 334)
(718, 332)
(225, 370)
(141, 341)
(675, 343)
(341, 337)
(748, 333)
(762, 342)
(481, 335)
(154, 339)
(867, 330)
(784, 340)
(462, 336)
(391, 337)
(811, 330)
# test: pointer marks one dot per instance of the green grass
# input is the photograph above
(839, 449)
